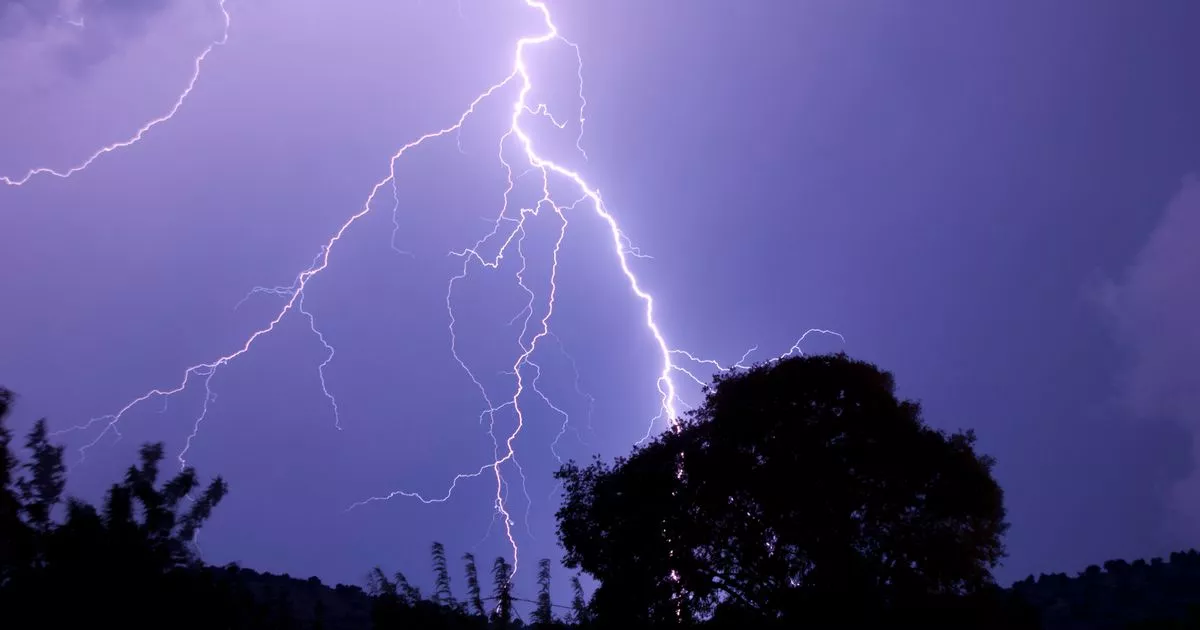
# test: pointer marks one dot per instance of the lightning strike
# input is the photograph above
(145, 128)
(507, 236)
(578, 387)
(288, 291)
(109, 422)
(209, 397)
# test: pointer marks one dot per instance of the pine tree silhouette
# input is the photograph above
(502, 614)
(474, 596)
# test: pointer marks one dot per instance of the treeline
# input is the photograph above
(1138, 594)
(129, 561)
(399, 604)
(802, 493)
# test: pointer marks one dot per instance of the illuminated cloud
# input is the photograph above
(1156, 305)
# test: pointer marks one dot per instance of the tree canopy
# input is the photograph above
(797, 484)
(138, 542)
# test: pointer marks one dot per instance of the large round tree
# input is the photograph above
(799, 487)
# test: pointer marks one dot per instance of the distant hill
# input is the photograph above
(285, 601)
(1141, 594)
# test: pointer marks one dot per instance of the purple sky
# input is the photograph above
(990, 199)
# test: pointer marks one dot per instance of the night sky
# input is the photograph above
(997, 201)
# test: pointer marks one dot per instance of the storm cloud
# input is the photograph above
(1156, 307)
(77, 34)
(20, 16)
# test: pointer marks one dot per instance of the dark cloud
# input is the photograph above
(108, 25)
(89, 31)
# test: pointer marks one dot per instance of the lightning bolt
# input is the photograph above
(741, 363)
(288, 291)
(507, 237)
(145, 128)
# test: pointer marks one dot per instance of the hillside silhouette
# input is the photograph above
(801, 493)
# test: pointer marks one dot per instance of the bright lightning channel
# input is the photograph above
(510, 231)
(145, 128)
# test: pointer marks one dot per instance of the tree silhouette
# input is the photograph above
(395, 604)
(386, 604)
(798, 486)
(579, 607)
(441, 591)
(42, 491)
(1122, 594)
(543, 615)
(13, 532)
(400, 588)
(474, 595)
(502, 614)
(690, 507)
(138, 542)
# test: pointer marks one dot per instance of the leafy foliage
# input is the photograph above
(13, 533)
(543, 615)
(502, 614)
(441, 593)
(97, 555)
(43, 489)
(474, 596)
(797, 486)
(579, 606)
